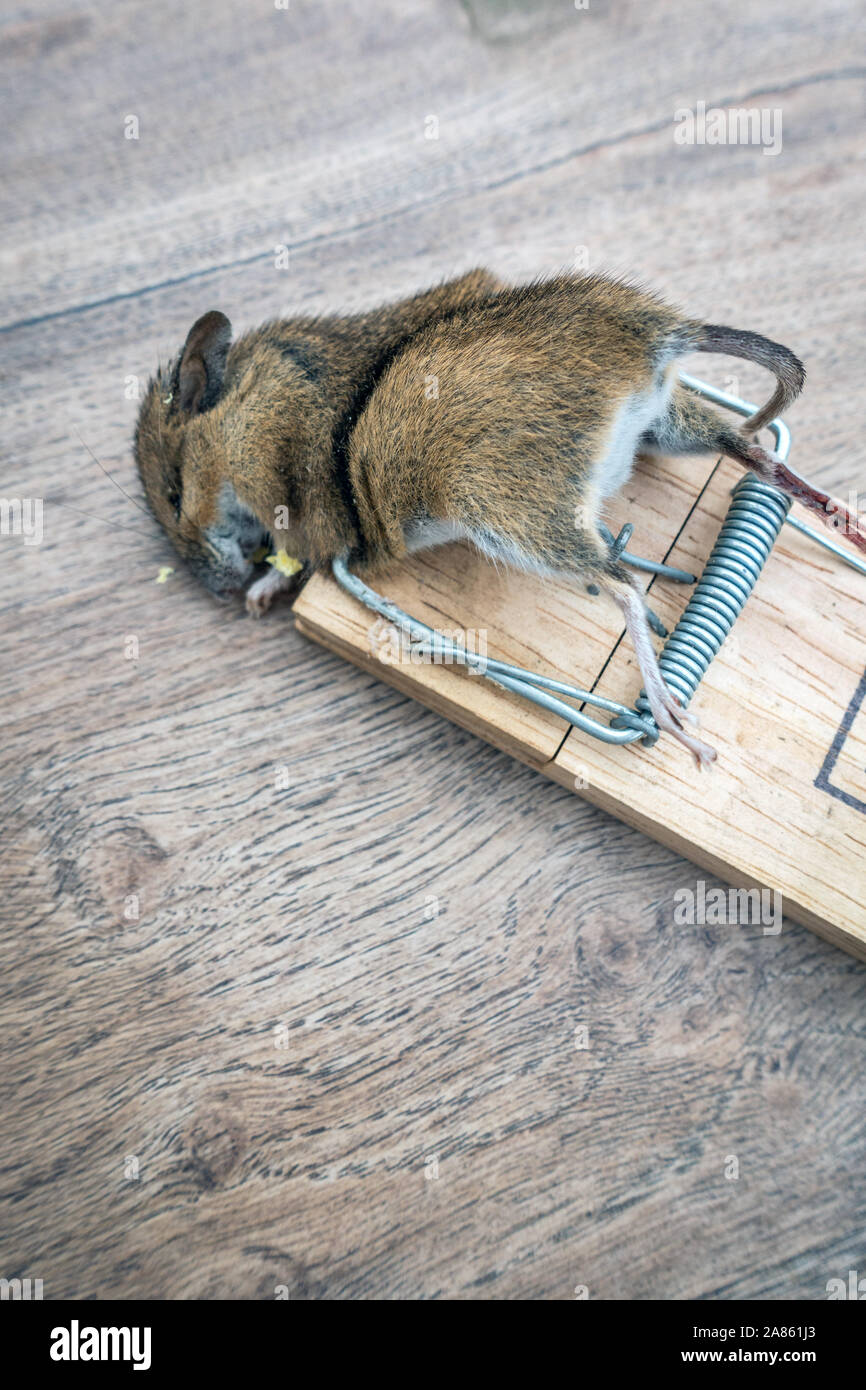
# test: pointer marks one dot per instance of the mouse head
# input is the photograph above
(183, 454)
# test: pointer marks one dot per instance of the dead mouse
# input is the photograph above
(505, 416)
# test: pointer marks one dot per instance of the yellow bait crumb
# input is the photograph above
(286, 564)
(165, 571)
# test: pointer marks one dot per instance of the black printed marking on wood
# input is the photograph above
(822, 781)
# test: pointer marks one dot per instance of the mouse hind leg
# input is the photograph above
(689, 427)
(566, 543)
(590, 559)
(667, 711)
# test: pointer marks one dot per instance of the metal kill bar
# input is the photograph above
(753, 522)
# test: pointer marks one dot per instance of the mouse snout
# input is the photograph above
(225, 563)
(229, 546)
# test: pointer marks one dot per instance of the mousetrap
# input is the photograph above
(767, 627)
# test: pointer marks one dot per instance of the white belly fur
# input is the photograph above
(634, 417)
(423, 535)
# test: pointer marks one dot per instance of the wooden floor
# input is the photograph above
(294, 972)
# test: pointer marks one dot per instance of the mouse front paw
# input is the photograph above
(262, 593)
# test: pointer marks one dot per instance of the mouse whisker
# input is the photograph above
(91, 517)
(128, 497)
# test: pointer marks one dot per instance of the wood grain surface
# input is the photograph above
(294, 971)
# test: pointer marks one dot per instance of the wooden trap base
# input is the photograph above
(784, 703)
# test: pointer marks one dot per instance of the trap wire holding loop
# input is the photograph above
(755, 518)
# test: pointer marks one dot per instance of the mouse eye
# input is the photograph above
(174, 503)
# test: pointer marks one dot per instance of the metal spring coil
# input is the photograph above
(756, 516)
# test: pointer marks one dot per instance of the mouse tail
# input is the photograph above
(788, 370)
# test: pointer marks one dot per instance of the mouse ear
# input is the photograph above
(203, 362)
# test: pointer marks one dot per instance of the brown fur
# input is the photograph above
(528, 386)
